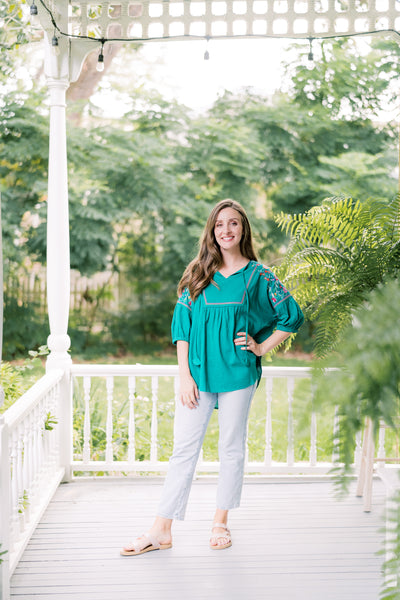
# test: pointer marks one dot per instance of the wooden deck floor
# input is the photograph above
(290, 541)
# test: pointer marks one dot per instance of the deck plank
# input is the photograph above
(291, 541)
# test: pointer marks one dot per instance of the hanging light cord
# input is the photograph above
(103, 40)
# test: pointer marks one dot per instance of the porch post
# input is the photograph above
(58, 265)
(58, 262)
(4, 464)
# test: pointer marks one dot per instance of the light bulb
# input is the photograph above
(100, 62)
(310, 57)
(206, 55)
(33, 8)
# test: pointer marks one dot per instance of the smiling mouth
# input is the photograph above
(227, 239)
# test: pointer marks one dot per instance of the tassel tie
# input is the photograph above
(247, 361)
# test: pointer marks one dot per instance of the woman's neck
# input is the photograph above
(232, 262)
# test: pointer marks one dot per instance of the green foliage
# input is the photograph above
(140, 190)
(24, 327)
(15, 31)
(23, 502)
(391, 550)
(344, 79)
(13, 384)
(49, 422)
(358, 175)
(368, 381)
(16, 379)
(339, 252)
(2, 554)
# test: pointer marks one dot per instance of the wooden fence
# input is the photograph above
(28, 286)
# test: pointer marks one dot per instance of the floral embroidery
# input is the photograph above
(277, 291)
(185, 299)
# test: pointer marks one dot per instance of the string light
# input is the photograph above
(310, 57)
(54, 44)
(206, 53)
(100, 60)
(103, 41)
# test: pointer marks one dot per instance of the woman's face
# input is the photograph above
(228, 229)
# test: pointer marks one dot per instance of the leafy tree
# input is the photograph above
(339, 252)
(15, 31)
(345, 80)
(358, 174)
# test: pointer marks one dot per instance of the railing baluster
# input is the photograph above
(30, 455)
(25, 468)
(131, 425)
(290, 436)
(20, 486)
(86, 424)
(153, 373)
(336, 424)
(313, 431)
(154, 424)
(268, 423)
(35, 453)
(358, 450)
(109, 425)
(31, 470)
(313, 440)
(39, 423)
(14, 488)
(381, 442)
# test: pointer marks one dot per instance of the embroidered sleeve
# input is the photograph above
(185, 299)
(182, 319)
(289, 316)
(276, 290)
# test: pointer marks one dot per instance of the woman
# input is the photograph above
(231, 311)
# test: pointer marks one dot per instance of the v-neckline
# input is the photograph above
(234, 273)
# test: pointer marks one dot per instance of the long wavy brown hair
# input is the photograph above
(202, 269)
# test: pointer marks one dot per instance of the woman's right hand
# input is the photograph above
(188, 393)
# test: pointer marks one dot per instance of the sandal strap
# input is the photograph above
(153, 540)
(220, 525)
(138, 546)
(217, 536)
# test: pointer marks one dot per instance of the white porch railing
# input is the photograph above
(112, 386)
(29, 467)
(123, 419)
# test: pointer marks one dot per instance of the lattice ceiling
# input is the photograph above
(182, 19)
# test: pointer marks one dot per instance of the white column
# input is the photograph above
(58, 264)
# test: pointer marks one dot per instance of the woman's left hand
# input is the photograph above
(251, 345)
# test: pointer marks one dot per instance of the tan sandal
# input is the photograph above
(218, 536)
(149, 544)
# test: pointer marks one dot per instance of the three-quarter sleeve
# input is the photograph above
(182, 318)
(289, 316)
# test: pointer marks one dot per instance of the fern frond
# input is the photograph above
(338, 252)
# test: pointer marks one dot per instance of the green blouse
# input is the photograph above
(251, 300)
